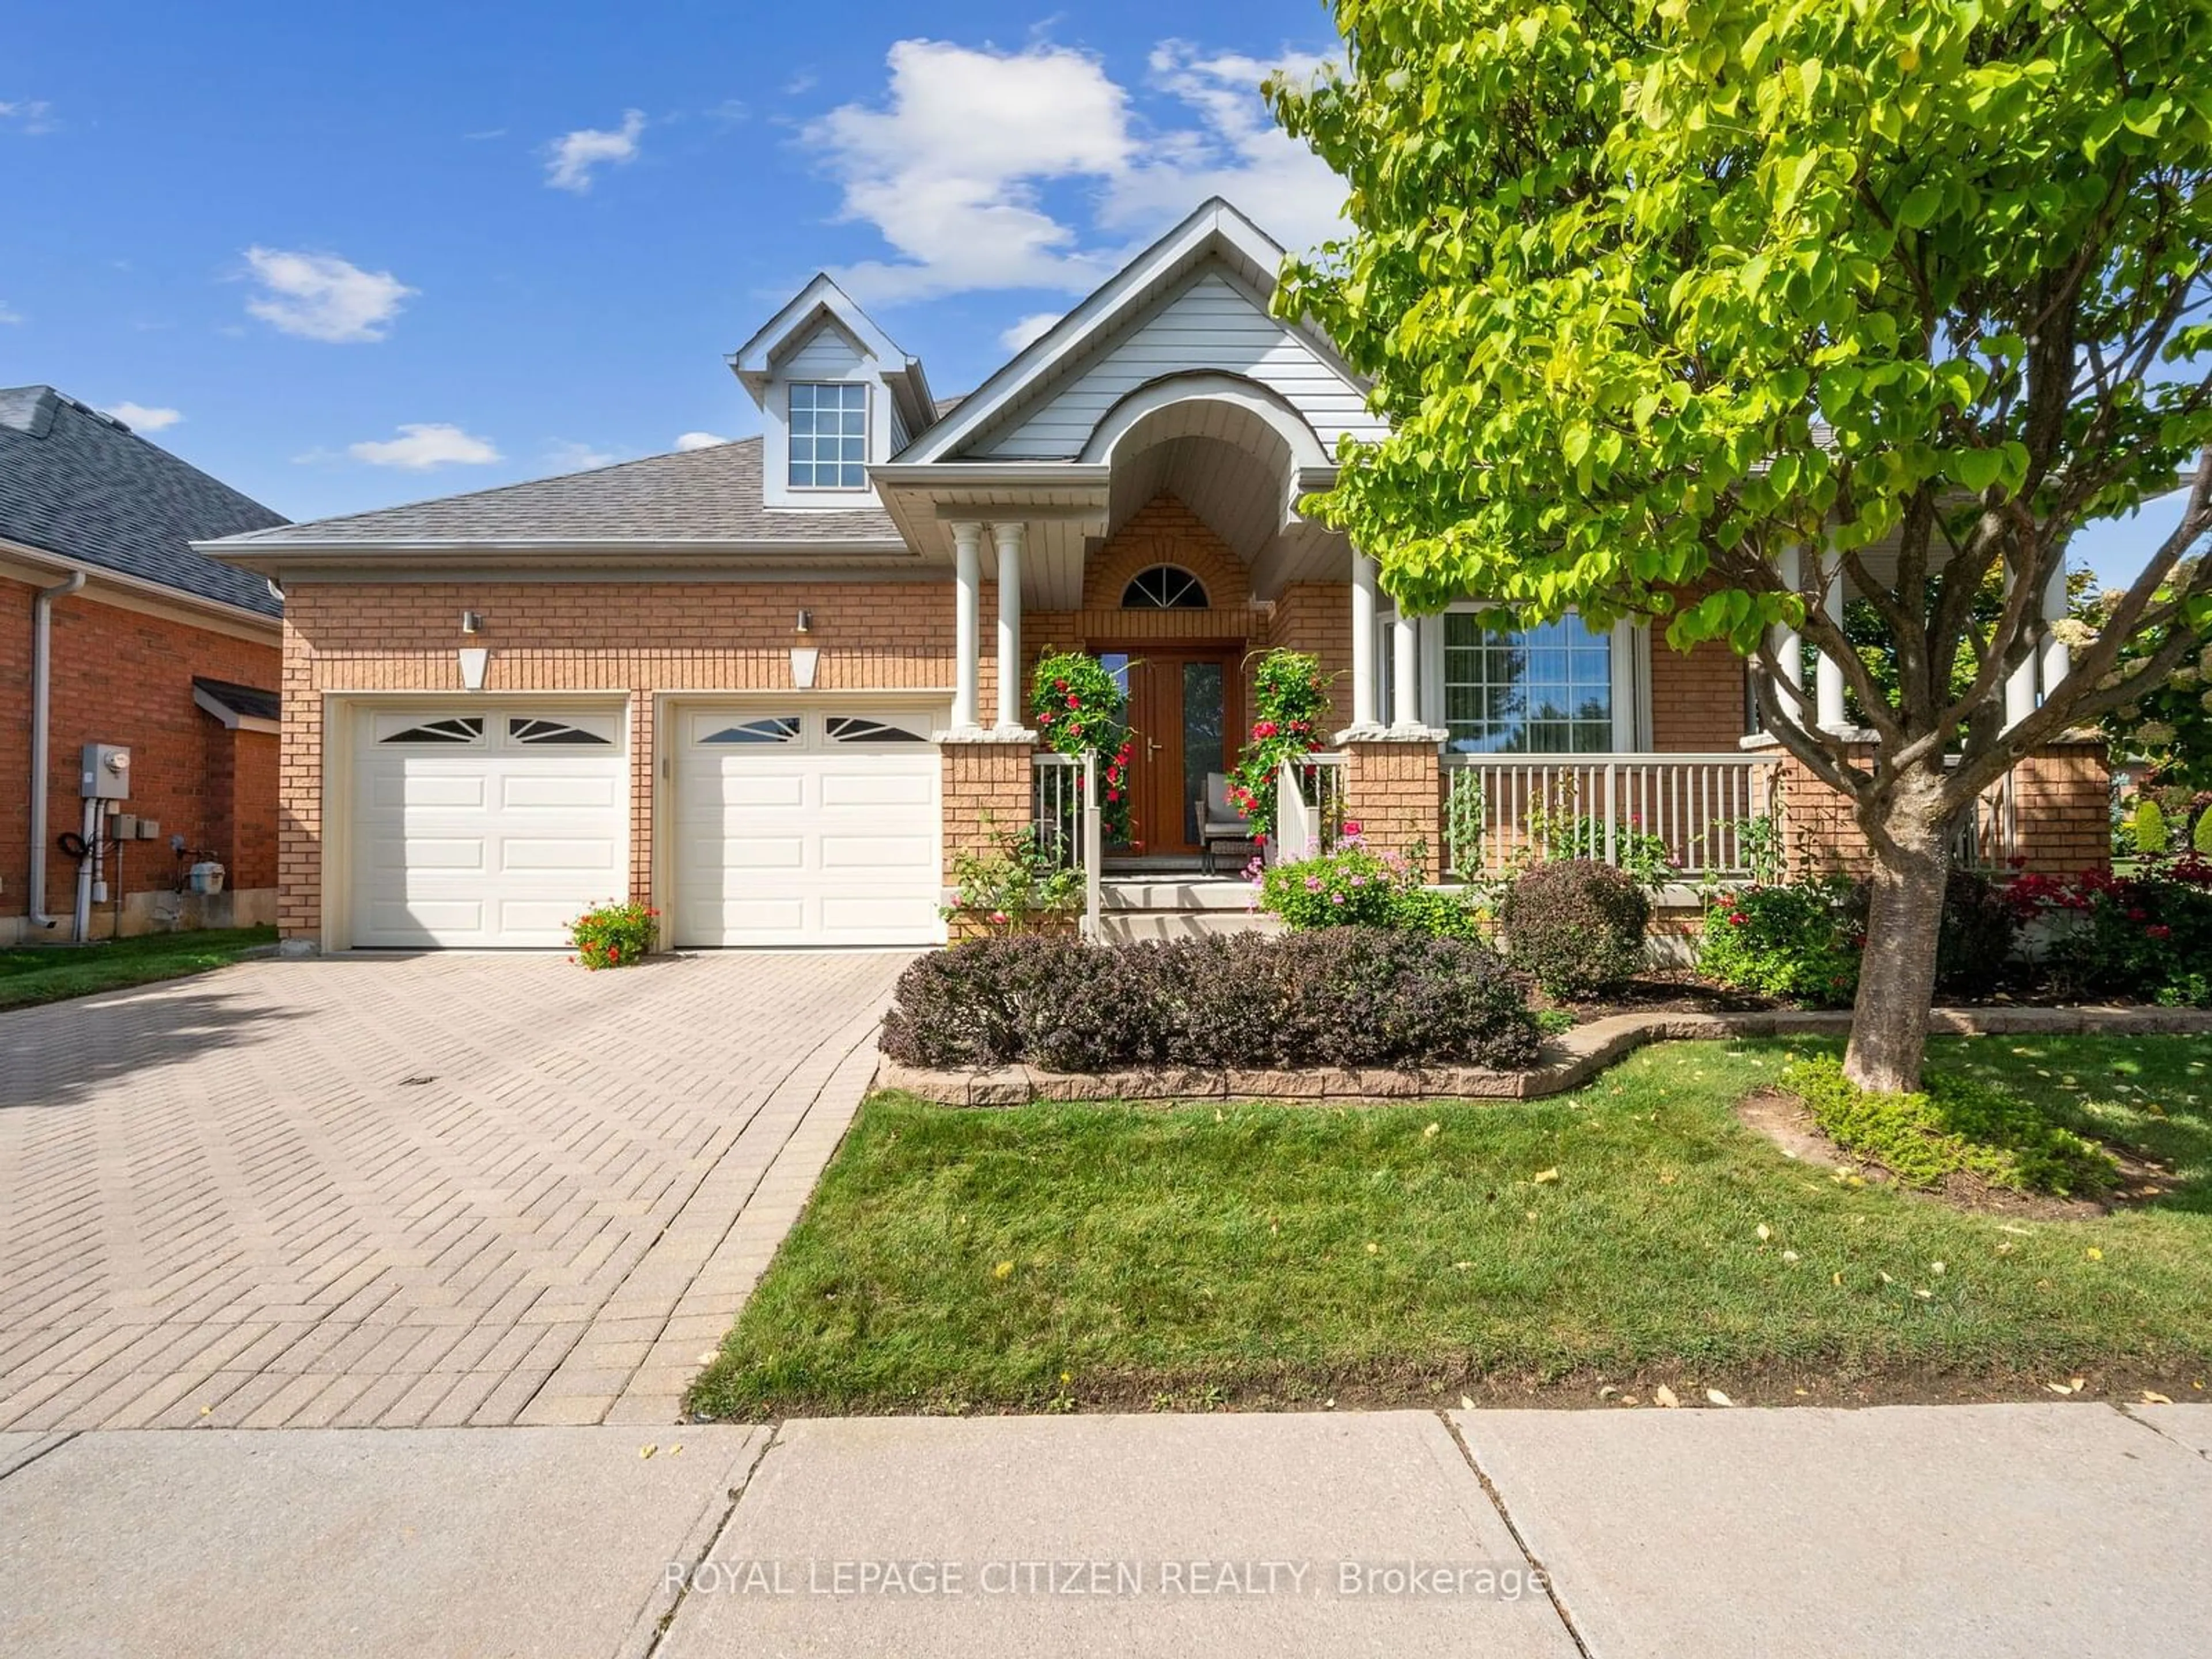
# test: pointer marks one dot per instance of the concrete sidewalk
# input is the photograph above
(2000, 1530)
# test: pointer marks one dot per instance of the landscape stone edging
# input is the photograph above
(1570, 1060)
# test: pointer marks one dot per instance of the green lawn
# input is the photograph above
(1082, 1256)
(50, 973)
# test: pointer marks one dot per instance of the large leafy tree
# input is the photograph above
(1655, 292)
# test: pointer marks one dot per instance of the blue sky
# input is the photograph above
(342, 256)
(531, 233)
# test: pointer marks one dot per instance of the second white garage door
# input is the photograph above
(795, 826)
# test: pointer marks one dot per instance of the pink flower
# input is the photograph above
(1350, 828)
(1266, 729)
(1044, 717)
(1336, 898)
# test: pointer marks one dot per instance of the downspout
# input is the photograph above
(42, 632)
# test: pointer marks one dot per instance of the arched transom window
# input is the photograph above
(1164, 587)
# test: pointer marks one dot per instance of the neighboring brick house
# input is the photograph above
(777, 686)
(149, 645)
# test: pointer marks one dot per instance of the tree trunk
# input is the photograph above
(1897, 976)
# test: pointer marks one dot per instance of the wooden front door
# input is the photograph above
(1186, 715)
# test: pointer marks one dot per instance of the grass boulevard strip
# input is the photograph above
(1630, 1242)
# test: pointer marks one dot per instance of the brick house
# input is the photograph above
(136, 640)
(761, 683)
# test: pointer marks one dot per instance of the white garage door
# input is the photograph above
(485, 825)
(795, 826)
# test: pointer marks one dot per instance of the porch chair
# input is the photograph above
(1218, 821)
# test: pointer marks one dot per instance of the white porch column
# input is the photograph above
(1363, 639)
(1405, 672)
(2019, 685)
(2058, 661)
(1010, 538)
(967, 604)
(1827, 672)
(1789, 645)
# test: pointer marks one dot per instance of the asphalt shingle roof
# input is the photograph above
(85, 486)
(709, 496)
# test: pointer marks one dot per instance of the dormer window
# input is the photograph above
(829, 435)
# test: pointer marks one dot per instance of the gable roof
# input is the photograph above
(822, 301)
(701, 499)
(1216, 229)
(82, 485)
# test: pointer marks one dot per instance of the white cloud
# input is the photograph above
(1236, 151)
(689, 441)
(141, 418)
(319, 297)
(954, 165)
(31, 114)
(576, 153)
(1029, 328)
(423, 444)
(573, 457)
(9, 314)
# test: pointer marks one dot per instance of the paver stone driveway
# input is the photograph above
(402, 1190)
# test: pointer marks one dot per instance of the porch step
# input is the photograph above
(1129, 926)
(1189, 893)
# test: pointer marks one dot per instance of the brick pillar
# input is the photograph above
(987, 793)
(1393, 791)
(1821, 833)
(2061, 812)
(2063, 807)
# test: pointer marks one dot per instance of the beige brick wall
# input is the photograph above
(1698, 698)
(638, 639)
(2061, 810)
(1393, 791)
(1165, 532)
(986, 793)
(1316, 617)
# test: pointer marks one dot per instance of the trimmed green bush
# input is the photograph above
(1954, 1125)
(1979, 929)
(1340, 996)
(2151, 834)
(1356, 886)
(1798, 940)
(1576, 925)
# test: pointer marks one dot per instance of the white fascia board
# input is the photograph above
(124, 580)
(753, 362)
(1215, 223)
(263, 555)
(231, 719)
(992, 475)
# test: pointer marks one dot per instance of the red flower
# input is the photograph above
(1266, 729)
(1735, 918)
(1350, 828)
(2161, 932)
(1044, 717)
(1113, 794)
(1074, 702)
(1059, 685)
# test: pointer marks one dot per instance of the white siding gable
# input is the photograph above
(827, 353)
(1210, 323)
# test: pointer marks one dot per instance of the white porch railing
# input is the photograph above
(1987, 834)
(1309, 806)
(1065, 814)
(1701, 809)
